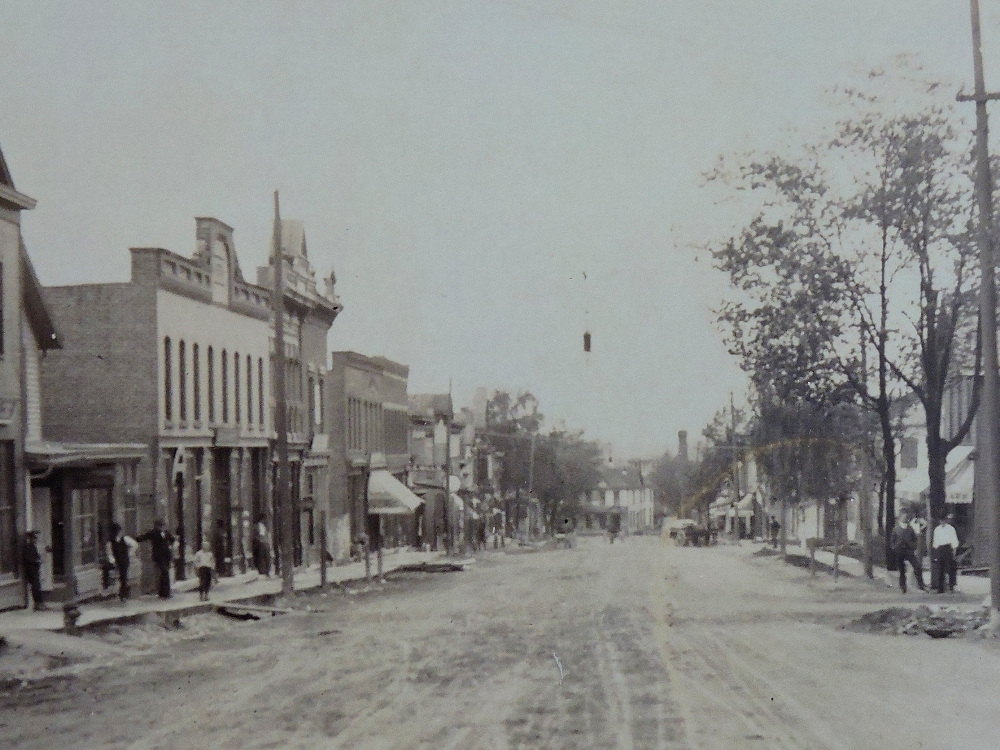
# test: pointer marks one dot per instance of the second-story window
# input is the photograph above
(312, 402)
(236, 387)
(211, 386)
(168, 395)
(249, 389)
(225, 388)
(196, 381)
(260, 391)
(181, 382)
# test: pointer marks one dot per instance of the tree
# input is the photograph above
(860, 247)
(566, 467)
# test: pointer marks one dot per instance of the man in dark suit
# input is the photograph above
(162, 546)
(31, 560)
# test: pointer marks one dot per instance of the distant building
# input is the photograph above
(369, 448)
(310, 310)
(622, 492)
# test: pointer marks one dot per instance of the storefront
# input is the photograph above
(77, 492)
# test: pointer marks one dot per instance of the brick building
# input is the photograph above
(309, 313)
(369, 431)
(174, 358)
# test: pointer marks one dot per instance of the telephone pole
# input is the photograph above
(988, 422)
(287, 549)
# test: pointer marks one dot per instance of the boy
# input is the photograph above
(204, 563)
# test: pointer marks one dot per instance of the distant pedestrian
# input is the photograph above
(944, 545)
(162, 543)
(775, 527)
(119, 551)
(262, 548)
(904, 544)
(31, 560)
(204, 564)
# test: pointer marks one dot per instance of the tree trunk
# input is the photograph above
(889, 459)
(783, 532)
(936, 457)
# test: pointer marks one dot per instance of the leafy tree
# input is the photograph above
(842, 262)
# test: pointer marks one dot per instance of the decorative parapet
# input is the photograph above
(184, 277)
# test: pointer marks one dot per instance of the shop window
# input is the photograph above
(85, 526)
(8, 515)
(130, 509)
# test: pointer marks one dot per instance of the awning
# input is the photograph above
(46, 455)
(958, 480)
(388, 496)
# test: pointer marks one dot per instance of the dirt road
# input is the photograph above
(635, 645)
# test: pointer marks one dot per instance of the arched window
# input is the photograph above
(181, 382)
(225, 387)
(211, 386)
(195, 377)
(168, 396)
(249, 389)
(236, 387)
(260, 391)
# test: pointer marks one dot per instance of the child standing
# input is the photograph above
(204, 563)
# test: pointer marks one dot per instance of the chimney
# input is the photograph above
(682, 445)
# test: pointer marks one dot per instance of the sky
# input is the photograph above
(489, 180)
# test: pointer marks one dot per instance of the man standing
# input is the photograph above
(31, 560)
(120, 550)
(944, 544)
(161, 541)
(904, 545)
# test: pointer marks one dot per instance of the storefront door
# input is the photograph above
(41, 514)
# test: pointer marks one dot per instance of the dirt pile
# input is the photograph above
(937, 622)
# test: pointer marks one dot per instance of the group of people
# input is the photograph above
(120, 548)
(944, 546)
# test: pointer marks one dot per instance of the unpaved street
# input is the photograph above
(635, 645)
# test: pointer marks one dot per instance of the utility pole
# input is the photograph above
(280, 411)
(988, 422)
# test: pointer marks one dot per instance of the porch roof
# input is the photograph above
(48, 455)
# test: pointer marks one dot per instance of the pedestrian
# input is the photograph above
(775, 528)
(262, 548)
(31, 560)
(162, 543)
(904, 544)
(944, 544)
(204, 564)
(119, 551)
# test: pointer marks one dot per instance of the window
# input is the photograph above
(312, 402)
(181, 382)
(85, 525)
(249, 389)
(8, 510)
(909, 450)
(236, 387)
(225, 388)
(1, 320)
(320, 416)
(130, 511)
(260, 391)
(211, 386)
(195, 376)
(168, 396)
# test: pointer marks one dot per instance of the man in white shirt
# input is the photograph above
(944, 544)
